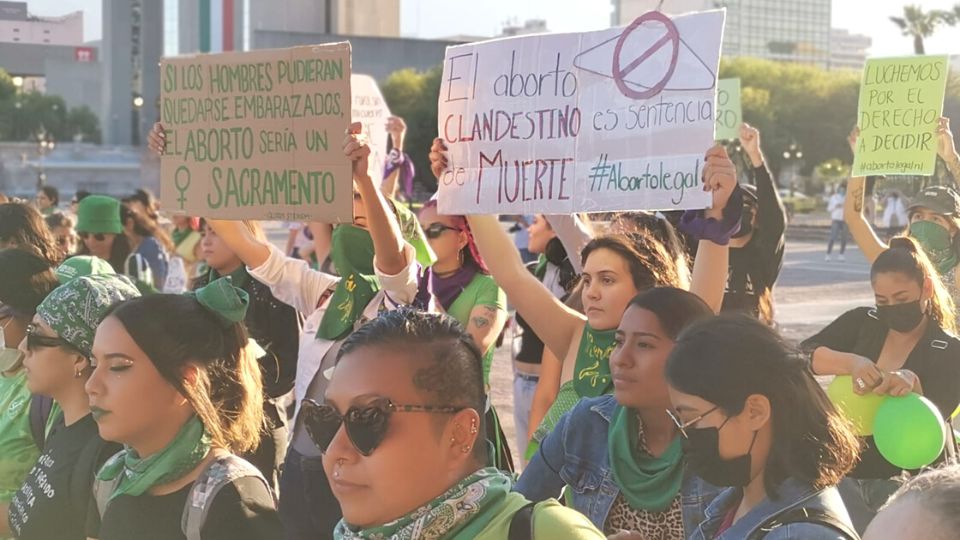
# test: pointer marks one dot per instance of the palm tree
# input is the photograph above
(920, 25)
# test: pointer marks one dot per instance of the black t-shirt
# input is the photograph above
(53, 502)
(754, 268)
(935, 359)
(242, 510)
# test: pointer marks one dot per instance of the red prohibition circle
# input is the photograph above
(672, 36)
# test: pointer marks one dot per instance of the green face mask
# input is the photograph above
(936, 243)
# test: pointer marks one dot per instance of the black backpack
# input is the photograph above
(521, 524)
(805, 515)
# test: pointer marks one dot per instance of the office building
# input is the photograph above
(848, 51)
(17, 25)
(785, 30)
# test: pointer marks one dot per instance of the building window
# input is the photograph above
(16, 39)
(46, 41)
(46, 31)
(16, 30)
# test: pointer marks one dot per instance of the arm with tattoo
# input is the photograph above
(485, 325)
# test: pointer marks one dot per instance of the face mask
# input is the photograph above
(936, 243)
(901, 317)
(702, 451)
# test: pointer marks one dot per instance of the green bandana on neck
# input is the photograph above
(239, 277)
(591, 376)
(647, 483)
(460, 513)
(352, 255)
(178, 458)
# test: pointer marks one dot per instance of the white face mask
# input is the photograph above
(9, 357)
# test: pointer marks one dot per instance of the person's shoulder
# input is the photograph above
(551, 520)
(805, 531)
(246, 498)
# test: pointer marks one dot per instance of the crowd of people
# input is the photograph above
(183, 377)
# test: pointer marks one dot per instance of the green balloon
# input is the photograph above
(860, 410)
(909, 431)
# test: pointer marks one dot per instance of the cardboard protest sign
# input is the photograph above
(258, 135)
(557, 123)
(370, 108)
(901, 100)
(729, 112)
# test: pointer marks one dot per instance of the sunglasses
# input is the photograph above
(436, 229)
(99, 237)
(366, 426)
(36, 340)
(682, 426)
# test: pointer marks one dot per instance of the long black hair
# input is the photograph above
(728, 358)
(23, 227)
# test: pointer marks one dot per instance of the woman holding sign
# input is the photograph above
(377, 258)
(615, 269)
(934, 222)
(905, 344)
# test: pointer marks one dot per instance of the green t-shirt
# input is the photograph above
(18, 453)
(481, 291)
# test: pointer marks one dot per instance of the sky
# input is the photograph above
(440, 18)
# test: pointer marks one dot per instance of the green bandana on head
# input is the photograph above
(460, 513)
(178, 458)
(226, 302)
(646, 482)
(591, 377)
(936, 243)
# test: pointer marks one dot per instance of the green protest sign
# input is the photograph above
(729, 112)
(258, 135)
(901, 100)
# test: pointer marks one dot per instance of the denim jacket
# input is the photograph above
(575, 454)
(791, 494)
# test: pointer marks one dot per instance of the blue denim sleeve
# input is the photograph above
(151, 251)
(541, 477)
(804, 531)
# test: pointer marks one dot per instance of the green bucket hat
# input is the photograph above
(75, 310)
(82, 265)
(99, 214)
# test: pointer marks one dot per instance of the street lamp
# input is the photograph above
(138, 102)
(792, 156)
(45, 145)
(18, 82)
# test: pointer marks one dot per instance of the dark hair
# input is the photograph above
(147, 228)
(52, 193)
(906, 257)
(228, 394)
(22, 226)
(728, 358)
(148, 200)
(119, 252)
(58, 219)
(80, 195)
(659, 228)
(454, 374)
(675, 308)
(649, 262)
(469, 252)
(25, 280)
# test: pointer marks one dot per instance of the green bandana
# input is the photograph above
(179, 236)
(646, 482)
(178, 458)
(936, 243)
(226, 302)
(591, 376)
(352, 255)
(566, 398)
(239, 277)
(460, 513)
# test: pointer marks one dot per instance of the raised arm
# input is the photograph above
(574, 233)
(709, 277)
(388, 244)
(947, 150)
(554, 322)
(861, 231)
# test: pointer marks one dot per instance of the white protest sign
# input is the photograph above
(370, 108)
(618, 119)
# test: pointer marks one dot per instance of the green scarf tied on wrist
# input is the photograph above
(352, 254)
(646, 482)
(178, 458)
(462, 512)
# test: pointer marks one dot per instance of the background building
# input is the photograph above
(784, 30)
(18, 26)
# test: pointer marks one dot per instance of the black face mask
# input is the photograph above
(746, 222)
(702, 451)
(901, 317)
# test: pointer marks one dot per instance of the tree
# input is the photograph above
(23, 115)
(920, 25)
(413, 96)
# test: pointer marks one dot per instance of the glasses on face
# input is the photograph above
(366, 426)
(436, 229)
(36, 340)
(682, 426)
(99, 237)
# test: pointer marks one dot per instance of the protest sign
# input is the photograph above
(557, 123)
(729, 112)
(258, 135)
(370, 108)
(901, 100)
